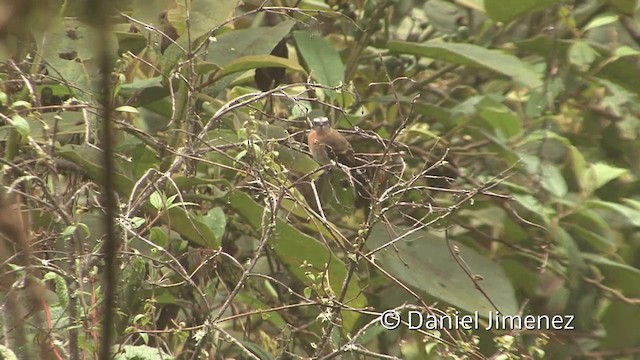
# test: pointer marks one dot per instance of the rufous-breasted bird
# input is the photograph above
(169, 31)
(326, 144)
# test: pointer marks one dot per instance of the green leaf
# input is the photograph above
(498, 10)
(625, 50)
(424, 262)
(550, 176)
(90, 160)
(69, 48)
(253, 41)
(472, 56)
(601, 20)
(582, 54)
(599, 174)
(623, 72)
(294, 248)
(216, 220)
(7, 353)
(127, 109)
(570, 249)
(591, 227)
(141, 84)
(443, 15)
(504, 121)
(632, 215)
(139, 352)
(626, 6)
(252, 62)
(156, 200)
(204, 15)
(620, 318)
(246, 42)
(323, 61)
(617, 274)
(20, 104)
(532, 204)
(21, 125)
(187, 224)
(191, 226)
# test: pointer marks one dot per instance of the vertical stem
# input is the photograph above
(102, 10)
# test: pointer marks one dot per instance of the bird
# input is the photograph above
(326, 144)
(169, 32)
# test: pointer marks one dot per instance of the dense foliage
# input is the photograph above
(497, 146)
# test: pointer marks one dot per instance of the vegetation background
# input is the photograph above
(159, 201)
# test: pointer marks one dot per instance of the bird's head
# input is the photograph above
(320, 123)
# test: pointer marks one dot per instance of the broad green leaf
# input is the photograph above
(142, 352)
(443, 15)
(472, 56)
(505, 122)
(246, 42)
(294, 248)
(324, 62)
(549, 175)
(499, 10)
(626, 6)
(67, 123)
(216, 220)
(620, 318)
(553, 180)
(259, 61)
(296, 161)
(424, 262)
(190, 226)
(253, 41)
(578, 164)
(597, 175)
(620, 324)
(473, 4)
(617, 274)
(601, 20)
(589, 225)
(156, 200)
(133, 42)
(148, 11)
(632, 215)
(21, 125)
(90, 160)
(254, 62)
(127, 109)
(258, 351)
(69, 49)
(568, 247)
(207, 14)
(633, 203)
(625, 50)
(159, 236)
(182, 221)
(20, 104)
(582, 54)
(624, 72)
(534, 205)
(597, 241)
(141, 84)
